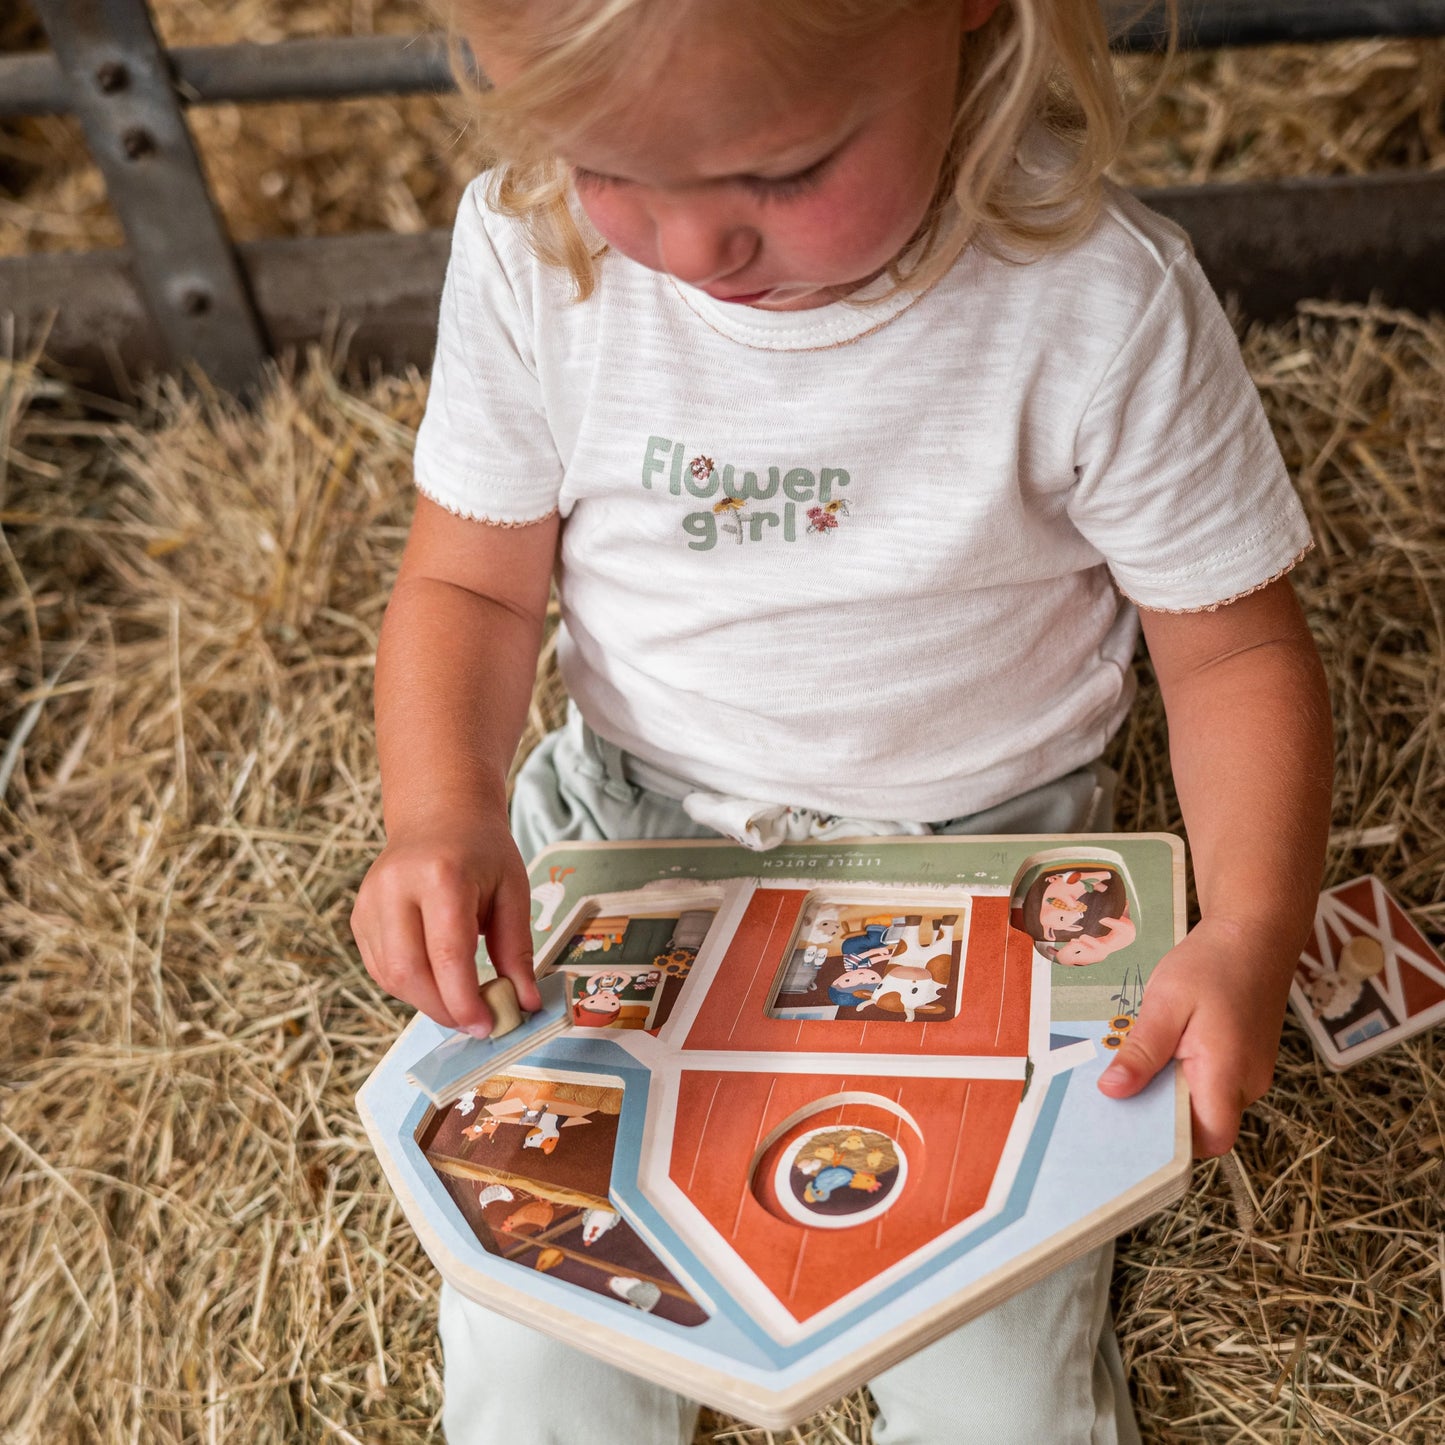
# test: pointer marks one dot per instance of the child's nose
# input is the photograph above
(699, 247)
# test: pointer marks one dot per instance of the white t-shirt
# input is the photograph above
(862, 559)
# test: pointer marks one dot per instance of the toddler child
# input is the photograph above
(859, 422)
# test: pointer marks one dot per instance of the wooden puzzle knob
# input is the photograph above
(1361, 958)
(499, 996)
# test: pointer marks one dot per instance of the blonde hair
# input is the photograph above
(1034, 62)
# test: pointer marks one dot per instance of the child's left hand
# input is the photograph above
(1216, 1004)
(1251, 745)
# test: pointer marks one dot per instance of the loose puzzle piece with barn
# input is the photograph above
(786, 1117)
(1367, 978)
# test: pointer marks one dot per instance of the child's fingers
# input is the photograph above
(1149, 1046)
(449, 919)
(508, 927)
(1223, 1082)
(398, 962)
(1217, 1104)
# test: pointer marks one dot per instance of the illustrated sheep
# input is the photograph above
(1333, 992)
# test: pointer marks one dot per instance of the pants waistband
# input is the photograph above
(620, 771)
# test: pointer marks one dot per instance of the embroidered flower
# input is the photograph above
(821, 520)
(701, 467)
(731, 507)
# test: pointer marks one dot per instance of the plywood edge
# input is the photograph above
(603, 845)
(373, 1080)
(886, 840)
(496, 1063)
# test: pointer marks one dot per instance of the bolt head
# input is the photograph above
(112, 76)
(137, 142)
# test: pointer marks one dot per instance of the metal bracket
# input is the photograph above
(122, 90)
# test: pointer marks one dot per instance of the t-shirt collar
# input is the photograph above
(835, 324)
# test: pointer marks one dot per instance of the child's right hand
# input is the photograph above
(422, 906)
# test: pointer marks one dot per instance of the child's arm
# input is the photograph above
(1252, 749)
(454, 676)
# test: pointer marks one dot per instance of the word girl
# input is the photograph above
(853, 258)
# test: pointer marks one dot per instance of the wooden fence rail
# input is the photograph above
(181, 293)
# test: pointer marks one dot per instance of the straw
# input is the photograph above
(198, 1244)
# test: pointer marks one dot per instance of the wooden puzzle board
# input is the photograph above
(787, 1117)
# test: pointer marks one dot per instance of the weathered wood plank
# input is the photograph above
(1270, 244)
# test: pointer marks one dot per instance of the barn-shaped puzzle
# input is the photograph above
(786, 1117)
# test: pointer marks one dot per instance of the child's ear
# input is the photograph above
(977, 13)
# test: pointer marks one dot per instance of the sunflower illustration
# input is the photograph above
(731, 507)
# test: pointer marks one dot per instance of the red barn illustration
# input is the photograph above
(1367, 977)
(762, 1131)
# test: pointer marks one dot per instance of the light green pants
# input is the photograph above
(1041, 1369)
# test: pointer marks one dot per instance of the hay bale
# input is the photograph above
(198, 1242)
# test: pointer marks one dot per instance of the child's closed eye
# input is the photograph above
(594, 180)
(784, 188)
(764, 188)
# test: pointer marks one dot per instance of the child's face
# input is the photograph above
(778, 192)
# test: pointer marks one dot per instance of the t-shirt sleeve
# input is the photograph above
(484, 449)
(1179, 483)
